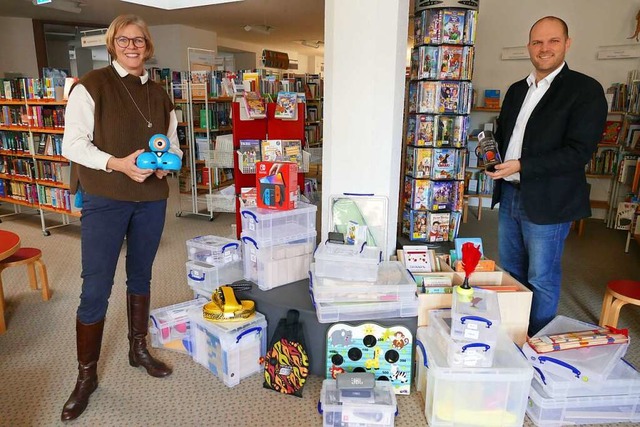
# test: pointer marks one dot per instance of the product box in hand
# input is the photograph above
(277, 184)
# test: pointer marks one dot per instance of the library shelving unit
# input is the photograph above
(33, 173)
(439, 103)
(202, 174)
(260, 129)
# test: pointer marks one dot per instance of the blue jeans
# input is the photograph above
(531, 253)
(104, 224)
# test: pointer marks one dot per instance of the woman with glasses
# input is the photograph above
(111, 114)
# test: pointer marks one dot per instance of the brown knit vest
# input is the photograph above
(119, 130)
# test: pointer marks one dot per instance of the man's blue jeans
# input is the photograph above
(532, 253)
(104, 224)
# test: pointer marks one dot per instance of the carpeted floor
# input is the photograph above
(37, 353)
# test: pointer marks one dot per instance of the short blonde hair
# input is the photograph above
(123, 21)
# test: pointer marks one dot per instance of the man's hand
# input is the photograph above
(127, 165)
(504, 169)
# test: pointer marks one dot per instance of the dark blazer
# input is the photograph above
(559, 139)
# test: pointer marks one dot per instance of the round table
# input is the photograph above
(9, 244)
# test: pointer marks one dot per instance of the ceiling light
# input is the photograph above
(178, 4)
(72, 6)
(310, 43)
(262, 29)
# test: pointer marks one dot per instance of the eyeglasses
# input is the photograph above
(125, 41)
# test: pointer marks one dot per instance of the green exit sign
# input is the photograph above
(42, 2)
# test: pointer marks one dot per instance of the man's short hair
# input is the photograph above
(565, 28)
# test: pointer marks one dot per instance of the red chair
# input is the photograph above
(618, 293)
(31, 258)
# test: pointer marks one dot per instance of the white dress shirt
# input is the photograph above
(534, 95)
(77, 142)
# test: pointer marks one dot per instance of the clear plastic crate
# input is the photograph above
(347, 312)
(456, 396)
(169, 326)
(220, 159)
(476, 319)
(394, 283)
(217, 202)
(266, 225)
(546, 411)
(209, 277)
(380, 412)
(348, 262)
(230, 350)
(213, 250)
(578, 364)
(283, 261)
(460, 353)
(623, 379)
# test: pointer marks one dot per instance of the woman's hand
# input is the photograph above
(127, 165)
(160, 174)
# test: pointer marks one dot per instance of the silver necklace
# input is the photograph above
(149, 124)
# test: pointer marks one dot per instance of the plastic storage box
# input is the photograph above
(346, 312)
(379, 412)
(348, 262)
(283, 261)
(230, 350)
(460, 353)
(169, 326)
(495, 396)
(477, 319)
(579, 364)
(213, 250)
(394, 283)
(266, 225)
(545, 411)
(623, 379)
(207, 277)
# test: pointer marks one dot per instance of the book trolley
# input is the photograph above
(439, 104)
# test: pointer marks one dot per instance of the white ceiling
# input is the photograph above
(294, 20)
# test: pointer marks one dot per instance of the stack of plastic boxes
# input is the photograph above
(379, 410)
(465, 396)
(230, 350)
(212, 262)
(469, 331)
(278, 245)
(350, 283)
(590, 385)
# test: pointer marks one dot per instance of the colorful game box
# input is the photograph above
(277, 184)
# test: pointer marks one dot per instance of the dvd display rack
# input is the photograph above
(438, 106)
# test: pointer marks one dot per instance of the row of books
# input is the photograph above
(15, 166)
(435, 163)
(58, 198)
(448, 26)
(17, 190)
(313, 133)
(424, 130)
(434, 196)
(272, 150)
(448, 62)
(603, 162)
(427, 226)
(45, 116)
(27, 88)
(15, 142)
(56, 172)
(14, 115)
(477, 182)
(434, 97)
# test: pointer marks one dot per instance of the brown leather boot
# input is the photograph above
(138, 315)
(88, 341)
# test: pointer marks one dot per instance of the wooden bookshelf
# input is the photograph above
(486, 109)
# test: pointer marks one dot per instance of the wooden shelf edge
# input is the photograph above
(599, 204)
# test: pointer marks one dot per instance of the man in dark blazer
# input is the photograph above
(549, 126)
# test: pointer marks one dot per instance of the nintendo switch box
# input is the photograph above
(277, 184)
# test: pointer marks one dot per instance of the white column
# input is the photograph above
(365, 57)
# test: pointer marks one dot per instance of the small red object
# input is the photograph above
(470, 256)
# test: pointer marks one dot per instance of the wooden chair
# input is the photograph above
(618, 293)
(31, 258)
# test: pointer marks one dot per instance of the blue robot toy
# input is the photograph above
(159, 157)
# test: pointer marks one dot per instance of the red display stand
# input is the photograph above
(267, 128)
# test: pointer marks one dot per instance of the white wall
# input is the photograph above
(592, 23)
(18, 53)
(171, 43)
